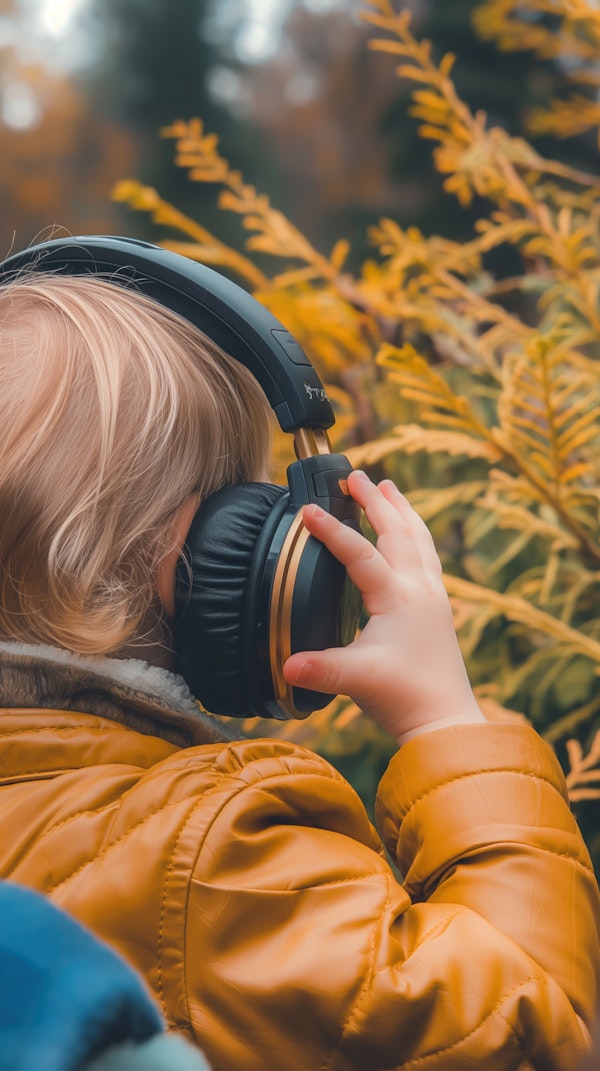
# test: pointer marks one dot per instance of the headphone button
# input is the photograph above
(326, 487)
(292, 349)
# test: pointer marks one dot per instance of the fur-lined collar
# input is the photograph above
(143, 697)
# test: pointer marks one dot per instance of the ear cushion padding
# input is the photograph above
(212, 580)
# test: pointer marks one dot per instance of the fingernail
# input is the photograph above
(317, 512)
(300, 674)
(361, 475)
(391, 486)
(304, 671)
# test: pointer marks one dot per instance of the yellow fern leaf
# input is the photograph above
(432, 502)
(204, 245)
(440, 406)
(546, 410)
(512, 515)
(371, 453)
(198, 153)
(411, 438)
(339, 254)
(572, 721)
(518, 610)
(584, 770)
(578, 36)
(328, 327)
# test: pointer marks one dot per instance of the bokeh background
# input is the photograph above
(321, 123)
(301, 106)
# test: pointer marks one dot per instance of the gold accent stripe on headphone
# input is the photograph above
(280, 638)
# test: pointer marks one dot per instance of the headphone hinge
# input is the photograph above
(310, 442)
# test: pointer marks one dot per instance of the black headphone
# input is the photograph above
(252, 585)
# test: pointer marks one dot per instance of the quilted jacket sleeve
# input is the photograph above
(301, 938)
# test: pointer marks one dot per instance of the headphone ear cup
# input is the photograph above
(212, 579)
(324, 612)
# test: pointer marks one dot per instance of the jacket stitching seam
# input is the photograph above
(243, 786)
(493, 1011)
(151, 774)
(63, 728)
(98, 810)
(132, 829)
(363, 991)
(309, 766)
(419, 1061)
(88, 810)
(163, 905)
(416, 885)
(260, 787)
(479, 773)
(507, 769)
(436, 927)
(566, 855)
(518, 1039)
(321, 884)
(108, 847)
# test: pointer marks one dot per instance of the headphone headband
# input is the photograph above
(233, 319)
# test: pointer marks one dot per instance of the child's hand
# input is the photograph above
(405, 669)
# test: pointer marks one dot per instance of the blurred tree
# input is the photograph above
(153, 66)
(506, 86)
(337, 126)
(320, 102)
(57, 161)
(150, 65)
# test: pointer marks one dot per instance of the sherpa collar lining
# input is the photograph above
(146, 698)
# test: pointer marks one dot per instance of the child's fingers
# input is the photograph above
(365, 566)
(389, 521)
(421, 533)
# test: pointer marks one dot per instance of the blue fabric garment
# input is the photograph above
(64, 996)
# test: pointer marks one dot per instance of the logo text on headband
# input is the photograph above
(316, 392)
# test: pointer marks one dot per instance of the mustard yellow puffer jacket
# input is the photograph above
(245, 882)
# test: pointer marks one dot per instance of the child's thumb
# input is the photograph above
(320, 671)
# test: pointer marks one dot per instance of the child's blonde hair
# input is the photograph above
(112, 411)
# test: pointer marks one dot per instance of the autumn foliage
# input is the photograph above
(479, 394)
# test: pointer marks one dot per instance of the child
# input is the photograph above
(242, 878)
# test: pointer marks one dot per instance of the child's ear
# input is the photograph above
(164, 575)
